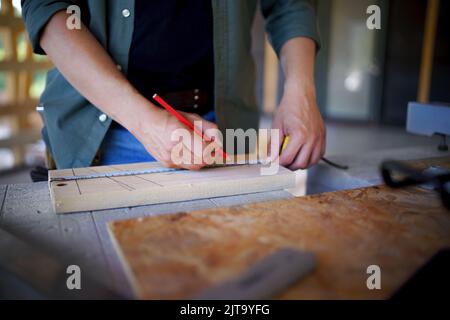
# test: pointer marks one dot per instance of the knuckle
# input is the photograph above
(303, 165)
(284, 160)
(301, 132)
(315, 137)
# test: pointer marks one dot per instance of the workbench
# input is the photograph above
(83, 238)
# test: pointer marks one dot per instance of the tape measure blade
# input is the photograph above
(114, 174)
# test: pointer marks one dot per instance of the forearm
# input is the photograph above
(89, 68)
(297, 59)
(298, 115)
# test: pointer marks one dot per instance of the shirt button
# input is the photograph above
(126, 13)
(40, 107)
(102, 117)
(195, 106)
(119, 67)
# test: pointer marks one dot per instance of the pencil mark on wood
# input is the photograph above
(140, 177)
(123, 184)
(120, 183)
(158, 184)
(78, 186)
(99, 193)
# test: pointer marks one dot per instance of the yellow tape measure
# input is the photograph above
(285, 142)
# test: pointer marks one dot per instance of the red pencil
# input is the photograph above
(185, 121)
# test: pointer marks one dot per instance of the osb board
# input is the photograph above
(144, 189)
(176, 256)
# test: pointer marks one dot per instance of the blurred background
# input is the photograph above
(365, 78)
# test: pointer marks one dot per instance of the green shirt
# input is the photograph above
(74, 128)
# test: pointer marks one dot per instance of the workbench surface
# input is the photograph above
(83, 238)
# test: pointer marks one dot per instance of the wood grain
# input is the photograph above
(28, 214)
(144, 189)
(176, 256)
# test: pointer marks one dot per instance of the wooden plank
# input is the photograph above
(12, 23)
(29, 66)
(175, 256)
(125, 191)
(27, 213)
(28, 136)
(82, 238)
(429, 39)
(250, 198)
(27, 202)
(43, 275)
(22, 108)
(103, 217)
(81, 244)
(3, 192)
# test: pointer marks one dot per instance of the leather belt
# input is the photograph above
(197, 101)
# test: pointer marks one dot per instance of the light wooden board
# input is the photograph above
(176, 256)
(144, 189)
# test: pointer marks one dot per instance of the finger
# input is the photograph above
(315, 155)
(302, 159)
(195, 146)
(289, 154)
(213, 154)
(182, 154)
(212, 145)
(189, 160)
(194, 167)
(274, 146)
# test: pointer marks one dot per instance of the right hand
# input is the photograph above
(155, 129)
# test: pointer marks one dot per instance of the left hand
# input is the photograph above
(298, 117)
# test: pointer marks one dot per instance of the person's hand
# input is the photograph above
(155, 133)
(298, 117)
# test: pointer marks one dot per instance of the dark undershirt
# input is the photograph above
(172, 47)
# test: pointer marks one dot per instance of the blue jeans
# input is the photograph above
(120, 146)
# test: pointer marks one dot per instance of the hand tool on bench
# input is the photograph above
(264, 279)
(398, 175)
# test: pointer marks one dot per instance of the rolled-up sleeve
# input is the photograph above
(287, 19)
(36, 14)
